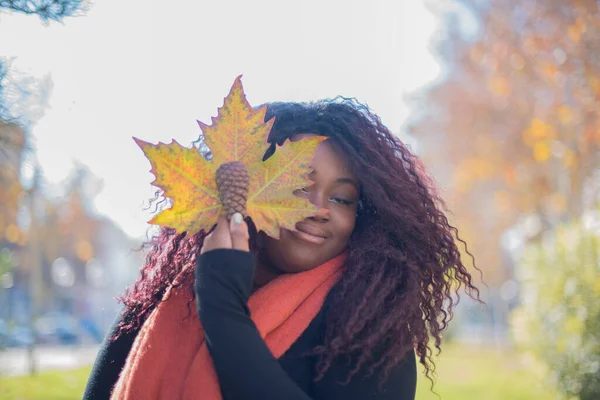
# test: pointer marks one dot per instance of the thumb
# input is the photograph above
(239, 233)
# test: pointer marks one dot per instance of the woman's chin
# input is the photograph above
(293, 254)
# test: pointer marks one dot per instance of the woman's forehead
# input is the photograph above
(329, 156)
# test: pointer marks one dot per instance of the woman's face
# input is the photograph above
(320, 238)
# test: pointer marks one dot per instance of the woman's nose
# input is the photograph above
(321, 216)
(319, 201)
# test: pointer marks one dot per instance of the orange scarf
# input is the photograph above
(170, 360)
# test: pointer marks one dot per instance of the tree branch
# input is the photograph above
(55, 10)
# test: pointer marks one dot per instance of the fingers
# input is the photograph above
(219, 238)
(239, 233)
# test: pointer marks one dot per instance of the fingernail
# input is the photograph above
(237, 218)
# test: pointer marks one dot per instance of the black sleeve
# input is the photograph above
(109, 363)
(245, 366)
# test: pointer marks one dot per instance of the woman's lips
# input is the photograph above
(307, 237)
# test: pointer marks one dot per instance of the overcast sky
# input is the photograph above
(150, 69)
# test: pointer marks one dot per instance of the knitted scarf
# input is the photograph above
(169, 358)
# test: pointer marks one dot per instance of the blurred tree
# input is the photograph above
(22, 99)
(55, 10)
(10, 186)
(70, 224)
(22, 102)
(556, 327)
(75, 221)
(512, 128)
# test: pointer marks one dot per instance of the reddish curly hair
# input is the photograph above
(403, 266)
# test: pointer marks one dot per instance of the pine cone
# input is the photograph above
(233, 182)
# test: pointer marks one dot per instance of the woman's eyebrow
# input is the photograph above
(348, 181)
(340, 180)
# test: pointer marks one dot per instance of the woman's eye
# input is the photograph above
(341, 201)
(336, 200)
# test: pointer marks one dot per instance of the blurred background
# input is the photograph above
(501, 99)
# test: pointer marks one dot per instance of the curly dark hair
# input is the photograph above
(403, 266)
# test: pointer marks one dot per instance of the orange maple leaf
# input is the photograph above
(238, 133)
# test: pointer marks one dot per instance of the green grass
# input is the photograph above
(57, 385)
(476, 373)
(465, 373)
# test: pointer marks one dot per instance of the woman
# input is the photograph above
(390, 259)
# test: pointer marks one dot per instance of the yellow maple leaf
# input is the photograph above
(272, 182)
(187, 178)
(238, 133)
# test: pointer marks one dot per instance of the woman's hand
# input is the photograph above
(228, 235)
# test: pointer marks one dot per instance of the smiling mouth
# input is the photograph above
(307, 237)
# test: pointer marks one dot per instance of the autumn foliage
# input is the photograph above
(11, 146)
(513, 127)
